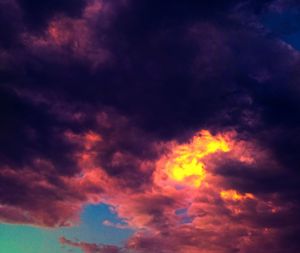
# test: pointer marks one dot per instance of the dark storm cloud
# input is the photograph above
(29, 131)
(9, 24)
(90, 89)
(165, 76)
(38, 13)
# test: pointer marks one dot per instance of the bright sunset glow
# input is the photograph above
(185, 165)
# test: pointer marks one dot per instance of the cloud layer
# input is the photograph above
(183, 117)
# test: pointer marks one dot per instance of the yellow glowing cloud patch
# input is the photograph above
(185, 163)
(235, 196)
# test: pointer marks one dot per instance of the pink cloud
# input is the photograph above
(90, 247)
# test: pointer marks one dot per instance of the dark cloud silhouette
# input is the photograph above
(37, 13)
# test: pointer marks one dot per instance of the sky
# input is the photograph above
(148, 126)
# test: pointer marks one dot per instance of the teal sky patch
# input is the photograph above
(29, 239)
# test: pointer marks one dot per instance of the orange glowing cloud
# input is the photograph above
(184, 164)
(235, 196)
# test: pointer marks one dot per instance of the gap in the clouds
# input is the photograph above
(92, 229)
(30, 239)
(285, 25)
(182, 213)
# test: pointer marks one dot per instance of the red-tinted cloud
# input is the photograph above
(70, 39)
(90, 247)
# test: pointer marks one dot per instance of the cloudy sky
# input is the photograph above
(149, 126)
